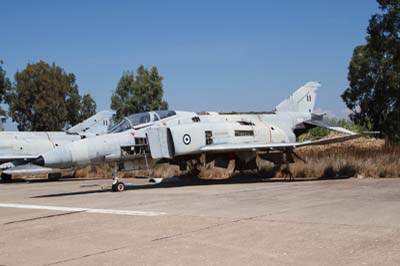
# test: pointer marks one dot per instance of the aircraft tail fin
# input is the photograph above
(302, 100)
(96, 124)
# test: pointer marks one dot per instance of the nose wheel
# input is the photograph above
(118, 186)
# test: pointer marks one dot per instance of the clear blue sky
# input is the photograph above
(214, 55)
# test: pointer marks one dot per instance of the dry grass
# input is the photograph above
(360, 158)
(107, 170)
(95, 171)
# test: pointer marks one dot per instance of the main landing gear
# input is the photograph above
(287, 159)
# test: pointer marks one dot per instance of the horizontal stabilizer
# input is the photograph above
(323, 124)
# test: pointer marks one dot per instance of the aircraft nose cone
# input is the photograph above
(39, 161)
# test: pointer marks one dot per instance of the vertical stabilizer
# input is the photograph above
(302, 100)
(97, 124)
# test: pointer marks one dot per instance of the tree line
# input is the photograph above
(45, 97)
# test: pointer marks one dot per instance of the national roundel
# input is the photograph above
(186, 139)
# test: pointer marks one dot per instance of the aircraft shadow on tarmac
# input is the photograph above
(185, 181)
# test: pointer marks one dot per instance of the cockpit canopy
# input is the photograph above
(135, 120)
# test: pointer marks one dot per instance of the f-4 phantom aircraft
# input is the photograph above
(18, 147)
(193, 140)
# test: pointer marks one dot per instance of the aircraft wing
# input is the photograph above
(276, 146)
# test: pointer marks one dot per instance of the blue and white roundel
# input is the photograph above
(186, 139)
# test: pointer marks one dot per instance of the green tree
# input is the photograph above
(374, 74)
(44, 97)
(73, 103)
(88, 107)
(121, 100)
(5, 86)
(138, 94)
(155, 95)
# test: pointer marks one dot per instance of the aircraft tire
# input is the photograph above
(118, 187)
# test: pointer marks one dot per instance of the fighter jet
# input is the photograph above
(194, 140)
(18, 147)
(86, 151)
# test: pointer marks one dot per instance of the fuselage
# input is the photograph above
(191, 135)
(189, 131)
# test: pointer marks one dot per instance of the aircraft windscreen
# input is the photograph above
(138, 119)
(165, 113)
(120, 126)
(130, 122)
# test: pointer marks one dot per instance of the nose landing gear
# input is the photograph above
(117, 186)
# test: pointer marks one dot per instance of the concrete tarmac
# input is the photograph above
(319, 222)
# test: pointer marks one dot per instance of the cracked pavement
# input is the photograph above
(317, 222)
